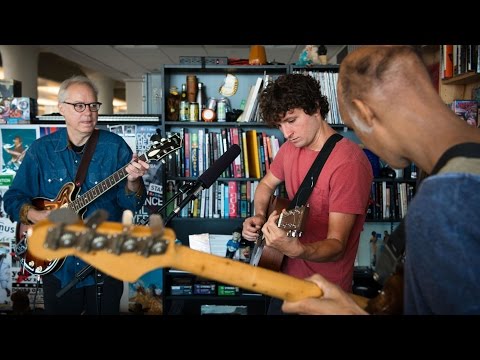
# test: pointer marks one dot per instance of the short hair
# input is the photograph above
(378, 65)
(77, 79)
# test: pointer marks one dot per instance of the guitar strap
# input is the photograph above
(79, 178)
(87, 156)
(306, 188)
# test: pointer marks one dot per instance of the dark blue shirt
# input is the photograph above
(50, 163)
(442, 267)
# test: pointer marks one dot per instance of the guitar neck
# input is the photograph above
(83, 200)
(255, 279)
(149, 251)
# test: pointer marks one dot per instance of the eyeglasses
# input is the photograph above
(80, 107)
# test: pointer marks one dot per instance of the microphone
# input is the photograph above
(210, 175)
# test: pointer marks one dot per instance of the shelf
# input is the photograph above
(229, 219)
(212, 297)
(221, 179)
(215, 124)
(401, 180)
(463, 79)
(316, 67)
(225, 68)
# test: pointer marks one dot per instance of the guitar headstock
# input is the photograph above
(108, 246)
(293, 221)
(161, 148)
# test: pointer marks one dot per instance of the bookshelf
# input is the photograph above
(212, 212)
(460, 85)
(212, 78)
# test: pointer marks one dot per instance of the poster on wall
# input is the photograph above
(47, 130)
(15, 142)
(153, 178)
(7, 236)
(5, 274)
(145, 294)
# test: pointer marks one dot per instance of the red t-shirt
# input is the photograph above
(343, 186)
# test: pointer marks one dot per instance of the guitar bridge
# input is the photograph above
(294, 233)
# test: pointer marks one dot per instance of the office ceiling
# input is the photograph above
(128, 62)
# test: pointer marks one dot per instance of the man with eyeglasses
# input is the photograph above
(50, 163)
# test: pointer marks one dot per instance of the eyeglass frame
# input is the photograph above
(80, 103)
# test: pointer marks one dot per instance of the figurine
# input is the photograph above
(313, 55)
(234, 243)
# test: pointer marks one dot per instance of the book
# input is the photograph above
(253, 154)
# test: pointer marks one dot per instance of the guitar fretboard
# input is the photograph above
(83, 200)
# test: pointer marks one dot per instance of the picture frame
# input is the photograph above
(15, 141)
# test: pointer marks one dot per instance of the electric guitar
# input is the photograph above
(67, 198)
(292, 221)
(126, 252)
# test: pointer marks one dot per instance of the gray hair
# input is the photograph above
(77, 79)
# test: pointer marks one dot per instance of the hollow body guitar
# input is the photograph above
(126, 252)
(67, 198)
(292, 221)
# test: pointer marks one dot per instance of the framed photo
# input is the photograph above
(15, 141)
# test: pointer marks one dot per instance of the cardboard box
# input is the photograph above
(10, 88)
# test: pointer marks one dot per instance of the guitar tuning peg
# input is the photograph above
(97, 217)
(170, 157)
(156, 225)
(163, 161)
(58, 236)
(66, 240)
(63, 216)
(127, 218)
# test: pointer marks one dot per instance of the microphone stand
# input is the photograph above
(82, 274)
(185, 188)
(191, 194)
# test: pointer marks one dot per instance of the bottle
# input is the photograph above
(184, 106)
(192, 88)
(200, 100)
(173, 104)
(222, 108)
(183, 95)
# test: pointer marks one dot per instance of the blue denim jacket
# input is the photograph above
(442, 267)
(49, 164)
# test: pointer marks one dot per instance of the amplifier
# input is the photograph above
(203, 60)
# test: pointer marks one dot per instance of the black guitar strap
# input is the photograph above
(87, 156)
(306, 188)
